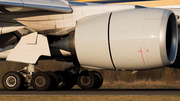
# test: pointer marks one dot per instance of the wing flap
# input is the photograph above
(57, 6)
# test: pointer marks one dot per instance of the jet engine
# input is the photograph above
(127, 40)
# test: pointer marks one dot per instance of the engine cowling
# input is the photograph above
(127, 40)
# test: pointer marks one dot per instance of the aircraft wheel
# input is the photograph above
(65, 80)
(12, 81)
(86, 80)
(55, 80)
(41, 81)
(99, 78)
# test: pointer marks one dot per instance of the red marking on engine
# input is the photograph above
(142, 55)
(147, 50)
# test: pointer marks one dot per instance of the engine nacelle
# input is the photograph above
(127, 40)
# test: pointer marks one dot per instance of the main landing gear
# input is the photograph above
(49, 80)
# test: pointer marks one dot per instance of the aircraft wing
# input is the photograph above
(50, 5)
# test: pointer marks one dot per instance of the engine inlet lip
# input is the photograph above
(168, 46)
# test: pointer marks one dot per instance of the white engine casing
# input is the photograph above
(91, 41)
(127, 40)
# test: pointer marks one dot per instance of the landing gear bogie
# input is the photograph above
(42, 81)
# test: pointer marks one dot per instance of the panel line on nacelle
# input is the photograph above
(109, 40)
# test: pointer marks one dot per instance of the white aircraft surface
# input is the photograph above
(91, 35)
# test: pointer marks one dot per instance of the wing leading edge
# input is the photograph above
(57, 6)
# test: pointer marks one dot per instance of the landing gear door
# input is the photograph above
(29, 51)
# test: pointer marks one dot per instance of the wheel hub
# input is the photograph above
(85, 80)
(11, 81)
(40, 81)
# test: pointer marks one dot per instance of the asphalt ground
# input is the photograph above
(95, 92)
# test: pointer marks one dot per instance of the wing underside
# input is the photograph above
(49, 5)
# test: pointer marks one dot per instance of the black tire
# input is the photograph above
(99, 79)
(55, 80)
(12, 81)
(65, 80)
(86, 80)
(41, 81)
